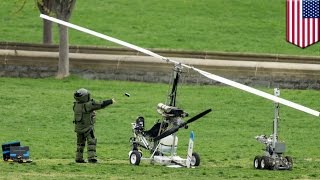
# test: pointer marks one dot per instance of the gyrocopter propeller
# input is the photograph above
(164, 139)
(176, 128)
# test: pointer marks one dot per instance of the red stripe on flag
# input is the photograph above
(292, 22)
(308, 35)
(304, 32)
(287, 20)
(313, 32)
(318, 31)
(298, 25)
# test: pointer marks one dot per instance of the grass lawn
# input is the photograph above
(38, 113)
(202, 25)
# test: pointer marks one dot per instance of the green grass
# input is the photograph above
(202, 25)
(38, 112)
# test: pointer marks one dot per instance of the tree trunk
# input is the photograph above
(45, 7)
(47, 32)
(63, 9)
(63, 67)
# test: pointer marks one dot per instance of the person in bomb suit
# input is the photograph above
(84, 119)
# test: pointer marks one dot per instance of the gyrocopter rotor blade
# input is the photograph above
(204, 73)
(176, 128)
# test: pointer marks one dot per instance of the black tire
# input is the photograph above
(257, 162)
(290, 162)
(264, 163)
(135, 158)
(195, 159)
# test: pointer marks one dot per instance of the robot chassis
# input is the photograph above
(161, 140)
(273, 158)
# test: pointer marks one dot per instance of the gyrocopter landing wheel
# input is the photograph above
(195, 159)
(135, 158)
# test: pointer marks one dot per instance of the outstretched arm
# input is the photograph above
(93, 105)
(106, 103)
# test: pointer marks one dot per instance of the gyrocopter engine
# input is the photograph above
(161, 140)
(273, 158)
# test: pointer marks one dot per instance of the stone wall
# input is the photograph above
(38, 64)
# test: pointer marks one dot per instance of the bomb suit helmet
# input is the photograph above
(82, 95)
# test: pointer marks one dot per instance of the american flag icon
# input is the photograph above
(302, 18)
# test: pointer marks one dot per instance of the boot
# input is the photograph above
(80, 161)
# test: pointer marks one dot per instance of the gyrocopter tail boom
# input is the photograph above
(204, 73)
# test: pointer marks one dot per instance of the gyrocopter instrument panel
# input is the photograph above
(172, 119)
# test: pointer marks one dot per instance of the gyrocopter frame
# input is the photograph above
(211, 76)
(161, 140)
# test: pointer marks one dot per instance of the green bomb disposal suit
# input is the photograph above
(84, 120)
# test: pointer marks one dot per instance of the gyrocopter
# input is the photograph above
(156, 138)
(161, 140)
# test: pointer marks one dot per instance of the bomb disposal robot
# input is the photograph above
(273, 158)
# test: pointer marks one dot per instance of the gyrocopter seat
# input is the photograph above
(139, 128)
(165, 143)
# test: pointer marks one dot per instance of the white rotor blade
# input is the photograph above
(258, 92)
(88, 31)
(204, 73)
